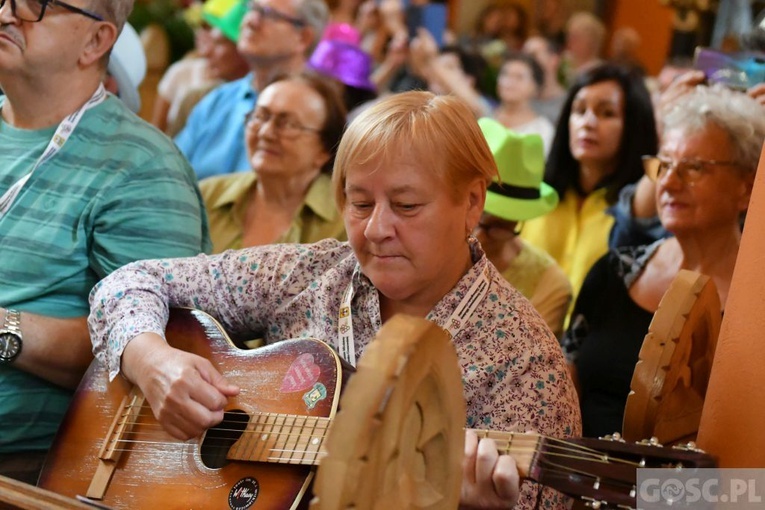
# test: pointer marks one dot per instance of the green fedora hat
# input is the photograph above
(521, 162)
(225, 15)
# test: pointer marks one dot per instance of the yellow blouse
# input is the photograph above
(536, 275)
(226, 198)
(575, 234)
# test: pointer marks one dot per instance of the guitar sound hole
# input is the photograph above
(220, 438)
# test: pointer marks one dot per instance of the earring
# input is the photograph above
(471, 239)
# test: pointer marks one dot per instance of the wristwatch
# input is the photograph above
(10, 336)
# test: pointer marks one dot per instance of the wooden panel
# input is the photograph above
(15, 495)
(653, 22)
(734, 410)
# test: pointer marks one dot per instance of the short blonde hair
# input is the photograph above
(438, 132)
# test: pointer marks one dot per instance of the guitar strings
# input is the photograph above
(556, 447)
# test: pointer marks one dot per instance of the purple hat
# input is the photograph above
(346, 63)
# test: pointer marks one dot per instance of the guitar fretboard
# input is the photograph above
(281, 438)
(294, 439)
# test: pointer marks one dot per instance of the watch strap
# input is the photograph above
(12, 326)
(12, 321)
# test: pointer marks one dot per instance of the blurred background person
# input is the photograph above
(343, 19)
(499, 21)
(521, 195)
(549, 55)
(275, 37)
(520, 82)
(703, 177)
(127, 68)
(606, 125)
(585, 38)
(550, 18)
(624, 48)
(215, 61)
(451, 69)
(291, 138)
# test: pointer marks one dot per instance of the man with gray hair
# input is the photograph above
(85, 187)
(276, 37)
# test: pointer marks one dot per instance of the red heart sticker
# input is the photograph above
(302, 374)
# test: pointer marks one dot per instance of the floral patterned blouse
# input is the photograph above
(514, 373)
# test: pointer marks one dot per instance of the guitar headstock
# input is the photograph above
(604, 471)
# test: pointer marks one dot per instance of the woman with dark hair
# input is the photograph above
(606, 126)
(291, 137)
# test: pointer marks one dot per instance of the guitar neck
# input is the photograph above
(521, 446)
(282, 439)
(294, 439)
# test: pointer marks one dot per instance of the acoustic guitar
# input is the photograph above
(111, 451)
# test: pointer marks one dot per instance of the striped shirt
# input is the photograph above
(118, 191)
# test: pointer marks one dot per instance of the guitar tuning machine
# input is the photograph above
(690, 446)
(592, 503)
(613, 437)
(654, 441)
(596, 505)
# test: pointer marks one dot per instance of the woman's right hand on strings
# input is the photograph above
(186, 393)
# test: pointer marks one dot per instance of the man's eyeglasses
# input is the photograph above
(687, 170)
(285, 125)
(266, 12)
(34, 10)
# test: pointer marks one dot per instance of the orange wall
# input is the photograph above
(734, 409)
(653, 22)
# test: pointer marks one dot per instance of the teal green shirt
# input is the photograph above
(118, 191)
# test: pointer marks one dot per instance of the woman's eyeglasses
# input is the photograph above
(284, 124)
(34, 10)
(687, 170)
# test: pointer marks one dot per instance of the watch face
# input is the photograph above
(9, 346)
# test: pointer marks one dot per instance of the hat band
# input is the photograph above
(508, 190)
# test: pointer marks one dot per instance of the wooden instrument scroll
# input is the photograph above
(671, 376)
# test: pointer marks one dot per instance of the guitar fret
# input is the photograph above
(264, 435)
(291, 440)
(277, 436)
(313, 442)
(298, 449)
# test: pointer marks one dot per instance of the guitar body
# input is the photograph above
(154, 470)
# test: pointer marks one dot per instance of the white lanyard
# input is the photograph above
(464, 310)
(62, 134)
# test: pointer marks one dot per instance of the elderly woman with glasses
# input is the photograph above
(291, 137)
(703, 175)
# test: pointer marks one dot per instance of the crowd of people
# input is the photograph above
(332, 167)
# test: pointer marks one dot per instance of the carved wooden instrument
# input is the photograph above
(262, 456)
(670, 380)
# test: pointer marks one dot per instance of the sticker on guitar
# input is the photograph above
(302, 374)
(243, 494)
